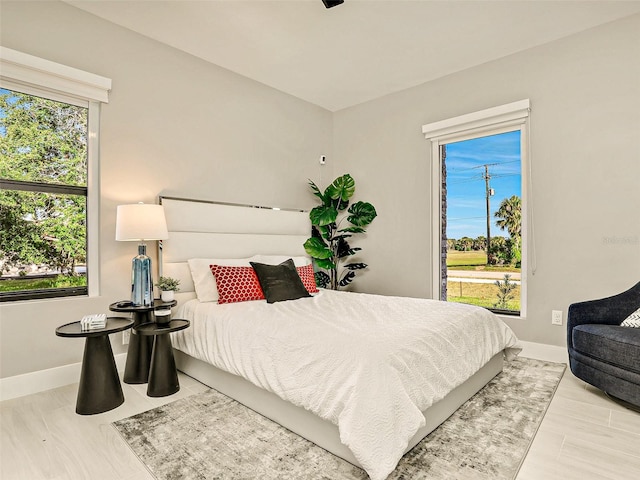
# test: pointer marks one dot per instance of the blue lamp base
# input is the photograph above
(141, 282)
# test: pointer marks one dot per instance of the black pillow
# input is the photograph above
(280, 282)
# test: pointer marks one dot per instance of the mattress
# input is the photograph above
(370, 364)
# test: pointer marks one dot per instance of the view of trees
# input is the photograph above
(509, 215)
(43, 178)
(504, 250)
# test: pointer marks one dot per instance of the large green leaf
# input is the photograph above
(322, 279)
(316, 248)
(353, 230)
(347, 278)
(326, 263)
(355, 266)
(321, 232)
(341, 189)
(338, 237)
(317, 192)
(341, 204)
(362, 214)
(344, 250)
(323, 215)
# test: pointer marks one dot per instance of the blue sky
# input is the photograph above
(3, 130)
(466, 207)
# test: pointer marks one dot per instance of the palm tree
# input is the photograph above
(480, 243)
(509, 216)
(466, 243)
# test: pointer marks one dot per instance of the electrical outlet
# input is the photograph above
(125, 337)
(556, 317)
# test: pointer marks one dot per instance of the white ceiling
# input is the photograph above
(357, 51)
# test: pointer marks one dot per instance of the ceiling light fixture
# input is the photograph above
(332, 3)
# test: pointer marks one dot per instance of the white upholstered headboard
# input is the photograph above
(206, 229)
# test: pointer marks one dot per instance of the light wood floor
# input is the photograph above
(584, 436)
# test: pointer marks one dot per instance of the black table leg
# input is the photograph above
(99, 389)
(163, 377)
(136, 369)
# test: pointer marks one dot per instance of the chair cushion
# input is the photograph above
(632, 320)
(612, 344)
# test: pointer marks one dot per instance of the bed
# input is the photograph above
(364, 376)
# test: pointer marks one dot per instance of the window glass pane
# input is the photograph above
(42, 140)
(43, 242)
(483, 200)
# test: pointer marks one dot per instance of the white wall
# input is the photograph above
(174, 125)
(585, 156)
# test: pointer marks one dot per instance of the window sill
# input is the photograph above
(43, 294)
(504, 317)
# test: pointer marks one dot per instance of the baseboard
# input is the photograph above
(542, 351)
(34, 382)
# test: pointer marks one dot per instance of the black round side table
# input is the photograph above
(163, 375)
(136, 369)
(99, 389)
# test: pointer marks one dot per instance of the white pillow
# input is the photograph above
(632, 320)
(299, 261)
(204, 281)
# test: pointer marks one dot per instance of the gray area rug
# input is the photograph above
(210, 436)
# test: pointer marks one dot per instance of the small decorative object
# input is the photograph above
(168, 286)
(328, 244)
(93, 322)
(163, 315)
(140, 222)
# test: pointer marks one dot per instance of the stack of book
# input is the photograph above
(93, 322)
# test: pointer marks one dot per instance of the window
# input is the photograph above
(49, 122)
(43, 191)
(479, 204)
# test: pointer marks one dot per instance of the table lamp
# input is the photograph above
(140, 222)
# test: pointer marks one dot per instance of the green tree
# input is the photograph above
(466, 244)
(509, 215)
(42, 141)
(505, 292)
(499, 251)
(480, 243)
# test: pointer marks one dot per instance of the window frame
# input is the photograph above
(24, 73)
(492, 121)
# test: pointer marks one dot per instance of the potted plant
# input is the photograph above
(168, 286)
(328, 245)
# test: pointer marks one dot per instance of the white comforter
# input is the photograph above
(368, 363)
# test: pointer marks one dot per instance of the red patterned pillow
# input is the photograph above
(237, 284)
(308, 279)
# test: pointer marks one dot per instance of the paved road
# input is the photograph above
(481, 274)
(475, 276)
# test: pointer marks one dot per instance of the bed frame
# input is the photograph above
(200, 228)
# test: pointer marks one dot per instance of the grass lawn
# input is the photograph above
(61, 281)
(470, 258)
(481, 294)
(474, 260)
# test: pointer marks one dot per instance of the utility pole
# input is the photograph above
(489, 192)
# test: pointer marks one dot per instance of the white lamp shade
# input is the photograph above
(141, 221)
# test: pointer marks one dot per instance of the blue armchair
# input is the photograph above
(601, 352)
